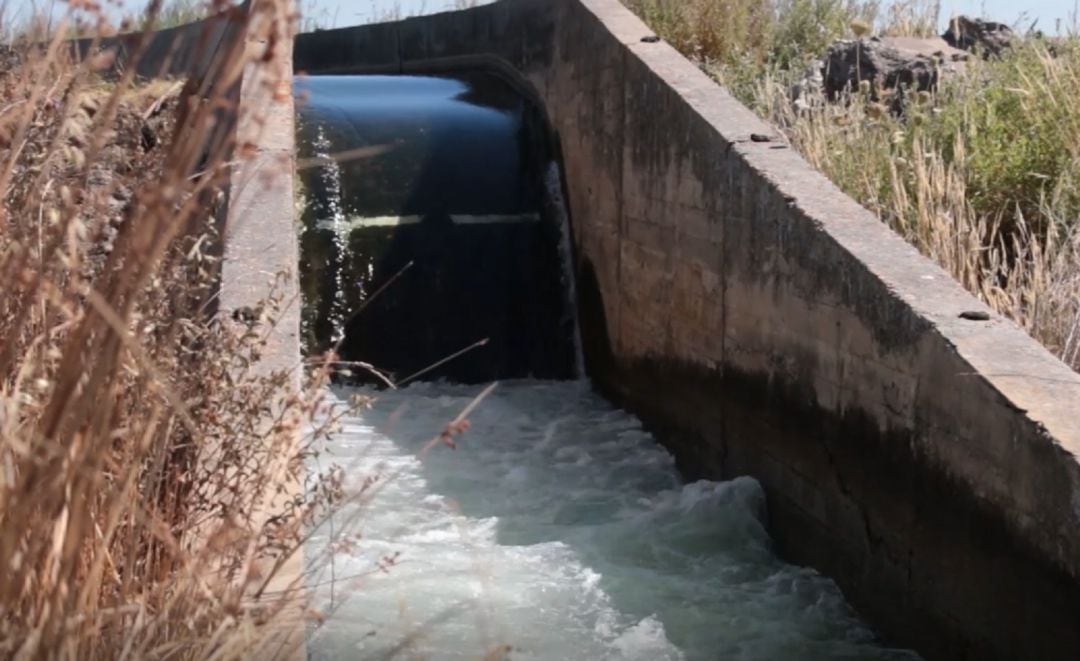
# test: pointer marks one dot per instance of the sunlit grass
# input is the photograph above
(981, 175)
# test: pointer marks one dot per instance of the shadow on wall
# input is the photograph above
(592, 317)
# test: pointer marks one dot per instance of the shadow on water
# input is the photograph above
(451, 182)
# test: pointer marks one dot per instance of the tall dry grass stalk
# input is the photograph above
(142, 451)
(982, 175)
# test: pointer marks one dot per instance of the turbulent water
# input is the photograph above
(558, 529)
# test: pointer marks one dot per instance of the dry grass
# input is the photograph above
(981, 175)
(142, 450)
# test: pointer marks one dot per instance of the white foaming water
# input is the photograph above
(559, 528)
(332, 217)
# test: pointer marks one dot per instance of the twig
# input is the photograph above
(414, 376)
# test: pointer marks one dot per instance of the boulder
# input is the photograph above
(889, 65)
(977, 35)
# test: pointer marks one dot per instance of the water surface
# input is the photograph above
(440, 185)
(559, 528)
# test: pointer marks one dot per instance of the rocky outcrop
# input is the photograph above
(888, 64)
(978, 35)
(894, 66)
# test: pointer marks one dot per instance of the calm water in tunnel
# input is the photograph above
(439, 187)
(558, 528)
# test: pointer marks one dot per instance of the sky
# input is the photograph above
(1047, 12)
(341, 13)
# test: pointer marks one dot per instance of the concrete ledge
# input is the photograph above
(261, 259)
(189, 50)
(520, 33)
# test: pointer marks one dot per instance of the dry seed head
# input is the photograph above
(860, 27)
(77, 158)
(89, 104)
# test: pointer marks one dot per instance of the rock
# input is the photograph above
(808, 91)
(977, 35)
(888, 65)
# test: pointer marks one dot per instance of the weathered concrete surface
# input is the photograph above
(765, 324)
(260, 263)
(516, 36)
(189, 50)
(261, 255)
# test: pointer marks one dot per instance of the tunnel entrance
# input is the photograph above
(427, 229)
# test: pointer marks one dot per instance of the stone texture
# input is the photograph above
(887, 64)
(978, 35)
(261, 258)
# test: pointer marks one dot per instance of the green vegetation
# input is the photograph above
(179, 12)
(980, 175)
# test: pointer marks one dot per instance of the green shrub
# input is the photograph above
(1017, 121)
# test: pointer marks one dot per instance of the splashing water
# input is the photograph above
(330, 217)
(558, 529)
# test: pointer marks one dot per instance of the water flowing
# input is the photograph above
(557, 529)
(329, 217)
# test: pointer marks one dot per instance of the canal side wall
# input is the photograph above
(259, 252)
(763, 323)
(259, 255)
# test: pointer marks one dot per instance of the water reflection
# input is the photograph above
(444, 174)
